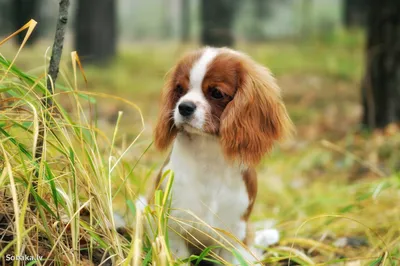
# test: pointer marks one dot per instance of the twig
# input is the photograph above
(58, 45)
(51, 80)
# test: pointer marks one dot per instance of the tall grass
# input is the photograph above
(73, 220)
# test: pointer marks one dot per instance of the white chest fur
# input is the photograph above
(206, 186)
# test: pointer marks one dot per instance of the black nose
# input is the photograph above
(186, 109)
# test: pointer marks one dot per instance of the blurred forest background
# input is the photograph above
(177, 19)
(99, 27)
(337, 62)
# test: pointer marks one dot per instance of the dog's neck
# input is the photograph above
(201, 149)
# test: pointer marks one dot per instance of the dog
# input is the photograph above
(221, 112)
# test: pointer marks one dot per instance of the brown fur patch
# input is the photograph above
(256, 117)
(250, 179)
(222, 74)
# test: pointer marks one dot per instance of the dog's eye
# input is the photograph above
(179, 89)
(216, 94)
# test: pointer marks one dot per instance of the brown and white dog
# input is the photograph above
(221, 112)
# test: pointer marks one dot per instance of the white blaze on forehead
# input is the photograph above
(195, 93)
(199, 69)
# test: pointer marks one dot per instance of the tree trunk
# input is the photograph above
(355, 13)
(185, 20)
(23, 11)
(306, 17)
(5, 18)
(166, 20)
(381, 86)
(261, 10)
(95, 30)
(217, 17)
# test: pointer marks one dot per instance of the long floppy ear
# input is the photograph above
(256, 118)
(165, 130)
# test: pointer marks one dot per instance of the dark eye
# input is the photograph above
(179, 89)
(216, 94)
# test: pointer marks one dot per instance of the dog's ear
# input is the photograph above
(256, 118)
(165, 130)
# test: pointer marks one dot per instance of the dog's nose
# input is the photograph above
(186, 109)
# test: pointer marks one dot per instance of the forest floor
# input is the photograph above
(332, 191)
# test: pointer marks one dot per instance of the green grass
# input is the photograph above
(330, 181)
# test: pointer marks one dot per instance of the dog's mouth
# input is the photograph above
(189, 129)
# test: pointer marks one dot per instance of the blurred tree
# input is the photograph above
(5, 7)
(185, 20)
(306, 17)
(355, 13)
(381, 86)
(95, 30)
(23, 11)
(166, 20)
(217, 18)
(261, 10)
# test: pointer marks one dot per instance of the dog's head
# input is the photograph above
(223, 93)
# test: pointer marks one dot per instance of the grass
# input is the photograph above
(331, 183)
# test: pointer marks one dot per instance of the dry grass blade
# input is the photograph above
(312, 244)
(336, 148)
(376, 234)
(19, 228)
(30, 26)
